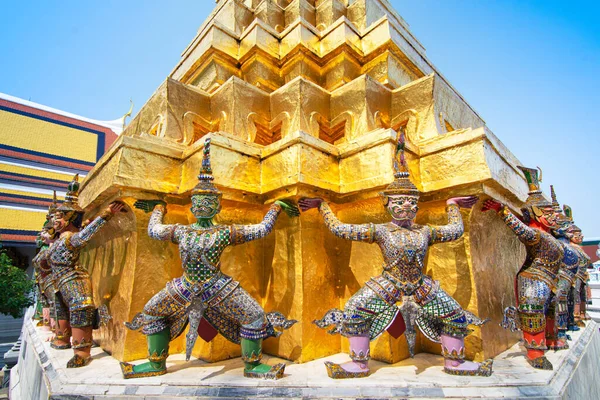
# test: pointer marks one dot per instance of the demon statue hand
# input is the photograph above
(74, 309)
(404, 244)
(573, 275)
(538, 278)
(42, 270)
(205, 297)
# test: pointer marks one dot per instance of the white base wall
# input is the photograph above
(41, 374)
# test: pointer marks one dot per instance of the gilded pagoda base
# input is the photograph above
(301, 269)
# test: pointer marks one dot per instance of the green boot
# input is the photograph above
(39, 315)
(252, 354)
(158, 351)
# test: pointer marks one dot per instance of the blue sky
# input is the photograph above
(530, 68)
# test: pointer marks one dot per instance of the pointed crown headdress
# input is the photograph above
(205, 178)
(555, 203)
(567, 219)
(72, 197)
(51, 210)
(568, 212)
(402, 184)
(536, 198)
(53, 207)
(565, 214)
(49, 223)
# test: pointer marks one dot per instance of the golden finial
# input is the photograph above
(128, 113)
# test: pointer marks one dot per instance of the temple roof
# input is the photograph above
(35, 162)
(115, 125)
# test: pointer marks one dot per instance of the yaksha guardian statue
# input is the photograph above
(43, 272)
(537, 280)
(576, 263)
(75, 313)
(210, 300)
(404, 245)
(566, 274)
(582, 291)
(579, 293)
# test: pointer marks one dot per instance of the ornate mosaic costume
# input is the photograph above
(580, 280)
(74, 307)
(579, 290)
(205, 297)
(566, 282)
(537, 280)
(373, 309)
(73, 286)
(225, 304)
(566, 273)
(44, 280)
(573, 274)
(42, 270)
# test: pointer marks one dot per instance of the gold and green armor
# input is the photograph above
(205, 297)
(224, 304)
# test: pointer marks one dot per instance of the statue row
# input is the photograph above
(401, 298)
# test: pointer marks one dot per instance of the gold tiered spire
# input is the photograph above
(264, 70)
(328, 42)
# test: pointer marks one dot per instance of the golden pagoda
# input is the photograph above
(304, 98)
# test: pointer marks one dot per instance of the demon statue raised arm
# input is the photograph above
(404, 245)
(204, 292)
(538, 277)
(74, 308)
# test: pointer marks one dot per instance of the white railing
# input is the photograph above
(594, 282)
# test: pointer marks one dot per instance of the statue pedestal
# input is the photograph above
(41, 373)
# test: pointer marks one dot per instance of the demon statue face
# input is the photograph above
(205, 206)
(402, 207)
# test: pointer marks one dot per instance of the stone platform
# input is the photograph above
(41, 373)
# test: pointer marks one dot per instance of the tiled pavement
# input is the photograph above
(421, 377)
